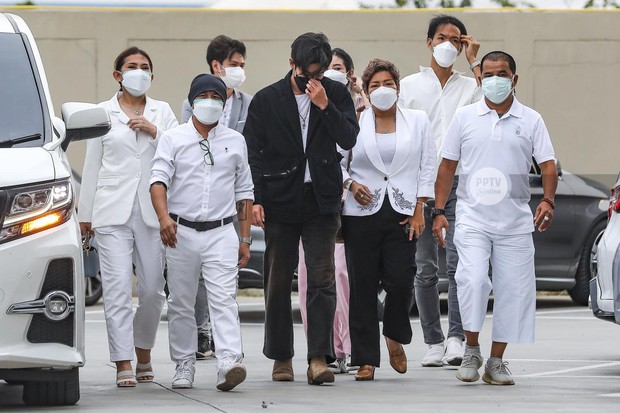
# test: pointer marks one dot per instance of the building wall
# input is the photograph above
(568, 62)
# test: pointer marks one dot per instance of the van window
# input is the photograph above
(21, 113)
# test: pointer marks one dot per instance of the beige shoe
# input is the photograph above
(283, 370)
(318, 372)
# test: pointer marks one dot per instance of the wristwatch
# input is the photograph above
(348, 184)
(474, 64)
(247, 240)
(437, 211)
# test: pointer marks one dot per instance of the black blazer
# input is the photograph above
(276, 153)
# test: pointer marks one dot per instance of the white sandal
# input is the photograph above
(145, 376)
(126, 378)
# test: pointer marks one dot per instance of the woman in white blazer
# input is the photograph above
(116, 207)
(389, 178)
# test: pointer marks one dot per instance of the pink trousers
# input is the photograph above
(342, 341)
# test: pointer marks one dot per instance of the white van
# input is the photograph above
(41, 270)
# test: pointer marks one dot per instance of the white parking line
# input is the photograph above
(556, 372)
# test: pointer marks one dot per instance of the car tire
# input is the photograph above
(62, 390)
(93, 289)
(586, 269)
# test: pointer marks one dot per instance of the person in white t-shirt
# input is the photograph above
(439, 90)
(493, 142)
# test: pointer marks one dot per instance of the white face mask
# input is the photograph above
(136, 82)
(235, 76)
(208, 111)
(496, 89)
(383, 98)
(445, 54)
(337, 75)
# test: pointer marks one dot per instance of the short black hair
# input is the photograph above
(499, 55)
(441, 20)
(223, 47)
(311, 48)
(120, 59)
(346, 58)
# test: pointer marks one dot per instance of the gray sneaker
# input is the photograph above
(184, 375)
(472, 361)
(496, 372)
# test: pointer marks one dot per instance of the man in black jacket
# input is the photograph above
(292, 130)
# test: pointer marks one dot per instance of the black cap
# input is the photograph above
(206, 83)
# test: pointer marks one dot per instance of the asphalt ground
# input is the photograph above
(574, 366)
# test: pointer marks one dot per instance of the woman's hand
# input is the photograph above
(141, 124)
(258, 216)
(361, 193)
(416, 224)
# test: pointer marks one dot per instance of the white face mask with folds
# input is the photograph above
(337, 75)
(208, 111)
(445, 54)
(497, 89)
(383, 98)
(234, 77)
(137, 82)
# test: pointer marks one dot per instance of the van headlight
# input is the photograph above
(34, 208)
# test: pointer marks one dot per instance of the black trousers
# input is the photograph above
(318, 235)
(378, 254)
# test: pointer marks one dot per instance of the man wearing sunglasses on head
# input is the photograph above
(293, 129)
(200, 178)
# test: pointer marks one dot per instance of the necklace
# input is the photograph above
(304, 119)
(382, 129)
(137, 111)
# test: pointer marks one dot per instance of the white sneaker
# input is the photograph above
(338, 366)
(472, 361)
(455, 348)
(184, 375)
(496, 372)
(230, 373)
(434, 356)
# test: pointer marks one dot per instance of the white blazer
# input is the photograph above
(117, 167)
(411, 173)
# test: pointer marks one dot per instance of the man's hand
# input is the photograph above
(471, 47)
(244, 254)
(168, 232)
(141, 124)
(440, 228)
(258, 216)
(543, 217)
(317, 94)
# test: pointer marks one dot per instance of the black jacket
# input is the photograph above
(276, 153)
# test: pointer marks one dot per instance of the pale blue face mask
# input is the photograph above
(497, 89)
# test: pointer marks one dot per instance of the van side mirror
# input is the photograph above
(84, 121)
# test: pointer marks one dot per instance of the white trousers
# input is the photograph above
(120, 246)
(213, 253)
(514, 283)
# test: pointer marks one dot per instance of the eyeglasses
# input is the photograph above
(208, 156)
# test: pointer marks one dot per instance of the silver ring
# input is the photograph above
(546, 218)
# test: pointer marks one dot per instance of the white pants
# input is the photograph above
(514, 283)
(119, 247)
(213, 253)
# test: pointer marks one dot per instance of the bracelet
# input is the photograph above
(348, 184)
(422, 203)
(474, 64)
(550, 202)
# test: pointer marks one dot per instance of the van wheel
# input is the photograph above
(93, 288)
(62, 389)
(586, 270)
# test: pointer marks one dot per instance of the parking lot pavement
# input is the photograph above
(574, 366)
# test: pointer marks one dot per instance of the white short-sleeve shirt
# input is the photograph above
(495, 157)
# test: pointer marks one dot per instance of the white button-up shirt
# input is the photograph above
(423, 91)
(495, 157)
(197, 191)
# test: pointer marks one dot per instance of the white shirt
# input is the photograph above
(495, 157)
(386, 143)
(423, 91)
(197, 191)
(225, 118)
(303, 106)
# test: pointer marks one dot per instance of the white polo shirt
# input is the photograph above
(423, 91)
(197, 191)
(495, 157)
